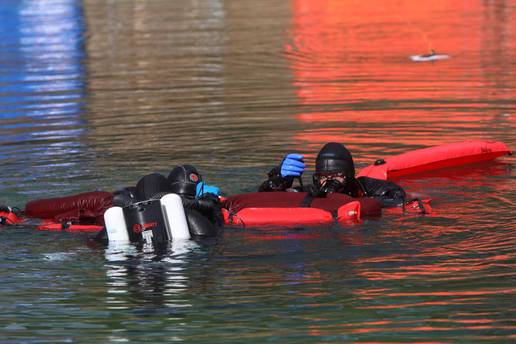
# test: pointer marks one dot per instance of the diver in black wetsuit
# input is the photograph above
(201, 201)
(334, 173)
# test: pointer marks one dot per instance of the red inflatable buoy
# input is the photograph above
(433, 158)
(259, 209)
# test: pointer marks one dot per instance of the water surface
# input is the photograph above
(95, 94)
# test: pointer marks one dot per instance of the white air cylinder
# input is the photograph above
(175, 216)
(116, 227)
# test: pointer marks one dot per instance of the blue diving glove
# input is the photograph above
(292, 165)
(203, 188)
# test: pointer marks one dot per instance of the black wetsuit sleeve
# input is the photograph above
(199, 225)
(275, 182)
(388, 193)
(208, 206)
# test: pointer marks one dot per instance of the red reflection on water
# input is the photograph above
(397, 115)
(355, 54)
(449, 268)
(356, 140)
(264, 236)
(337, 45)
(443, 293)
(427, 328)
(407, 325)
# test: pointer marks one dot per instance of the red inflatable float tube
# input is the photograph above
(87, 207)
(415, 206)
(292, 217)
(262, 209)
(9, 216)
(49, 225)
(433, 158)
(259, 217)
(349, 213)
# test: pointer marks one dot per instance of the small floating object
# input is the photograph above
(429, 57)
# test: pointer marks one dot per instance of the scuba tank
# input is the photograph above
(152, 221)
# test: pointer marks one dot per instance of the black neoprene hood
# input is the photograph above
(151, 185)
(183, 180)
(335, 158)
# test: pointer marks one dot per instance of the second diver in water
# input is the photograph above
(334, 173)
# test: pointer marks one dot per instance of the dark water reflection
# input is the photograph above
(94, 94)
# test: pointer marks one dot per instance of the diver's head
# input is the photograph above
(150, 186)
(333, 167)
(183, 180)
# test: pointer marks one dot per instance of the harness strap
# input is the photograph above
(307, 201)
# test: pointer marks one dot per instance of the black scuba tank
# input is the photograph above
(146, 223)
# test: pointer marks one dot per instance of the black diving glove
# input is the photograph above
(276, 182)
(281, 178)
